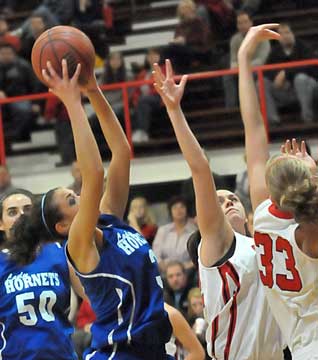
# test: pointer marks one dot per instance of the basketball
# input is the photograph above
(63, 42)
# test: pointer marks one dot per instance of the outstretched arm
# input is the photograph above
(115, 197)
(216, 232)
(256, 145)
(184, 334)
(81, 245)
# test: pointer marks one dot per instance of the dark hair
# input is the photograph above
(244, 12)
(30, 230)
(11, 192)
(192, 247)
(156, 50)
(174, 200)
(176, 263)
(7, 194)
(110, 76)
(285, 24)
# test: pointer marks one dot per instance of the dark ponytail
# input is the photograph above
(30, 230)
(192, 247)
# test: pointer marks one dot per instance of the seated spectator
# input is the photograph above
(244, 22)
(76, 186)
(140, 218)
(88, 16)
(115, 72)
(58, 12)
(56, 112)
(219, 14)
(191, 46)
(145, 100)
(16, 78)
(6, 37)
(288, 86)
(5, 180)
(195, 314)
(242, 189)
(38, 23)
(7, 6)
(177, 286)
(82, 335)
(171, 240)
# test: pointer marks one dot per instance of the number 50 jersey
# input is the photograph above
(290, 278)
(33, 306)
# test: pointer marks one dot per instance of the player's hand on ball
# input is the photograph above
(170, 92)
(66, 89)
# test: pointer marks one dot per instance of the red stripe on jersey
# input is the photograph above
(273, 209)
(214, 332)
(229, 269)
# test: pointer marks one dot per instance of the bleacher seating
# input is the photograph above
(144, 23)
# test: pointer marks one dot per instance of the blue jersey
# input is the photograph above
(34, 301)
(125, 290)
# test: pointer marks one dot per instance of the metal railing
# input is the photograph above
(124, 86)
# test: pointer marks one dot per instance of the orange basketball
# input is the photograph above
(64, 42)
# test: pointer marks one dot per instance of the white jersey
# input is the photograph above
(290, 278)
(241, 326)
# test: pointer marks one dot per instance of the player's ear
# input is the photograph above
(61, 227)
(1, 226)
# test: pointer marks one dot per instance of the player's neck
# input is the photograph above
(306, 239)
(238, 226)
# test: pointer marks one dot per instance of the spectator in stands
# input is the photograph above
(242, 189)
(5, 180)
(7, 6)
(244, 23)
(191, 45)
(16, 78)
(177, 286)
(76, 186)
(115, 72)
(88, 16)
(57, 11)
(195, 314)
(82, 335)
(6, 37)
(38, 23)
(55, 112)
(145, 99)
(171, 240)
(219, 14)
(141, 219)
(288, 86)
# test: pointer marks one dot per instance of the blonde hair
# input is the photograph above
(292, 188)
(193, 293)
(182, 3)
(148, 218)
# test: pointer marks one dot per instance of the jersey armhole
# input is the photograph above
(228, 255)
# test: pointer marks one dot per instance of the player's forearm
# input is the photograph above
(87, 152)
(109, 123)
(189, 145)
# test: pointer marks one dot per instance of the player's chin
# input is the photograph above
(235, 217)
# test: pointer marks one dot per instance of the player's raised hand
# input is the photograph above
(255, 35)
(292, 148)
(67, 89)
(170, 92)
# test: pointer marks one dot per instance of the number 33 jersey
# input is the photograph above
(290, 278)
(34, 303)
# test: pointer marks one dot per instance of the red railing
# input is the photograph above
(124, 86)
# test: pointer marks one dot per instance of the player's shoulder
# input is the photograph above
(268, 216)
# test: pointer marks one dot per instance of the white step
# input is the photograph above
(136, 42)
(163, 4)
(38, 139)
(155, 24)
